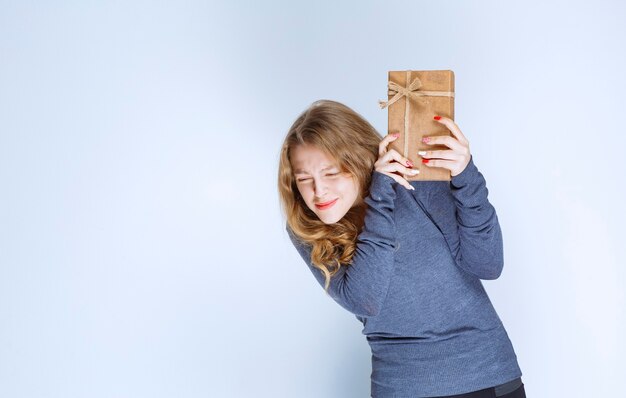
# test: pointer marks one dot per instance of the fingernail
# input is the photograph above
(411, 188)
(409, 163)
(396, 135)
(437, 117)
(426, 139)
(414, 172)
(421, 153)
(425, 160)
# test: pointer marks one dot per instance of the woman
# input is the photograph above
(405, 257)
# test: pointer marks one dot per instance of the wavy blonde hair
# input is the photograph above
(352, 142)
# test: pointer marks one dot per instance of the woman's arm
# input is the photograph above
(478, 248)
(362, 286)
(475, 240)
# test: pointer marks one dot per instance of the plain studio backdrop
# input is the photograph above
(142, 248)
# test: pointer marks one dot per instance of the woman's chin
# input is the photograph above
(329, 218)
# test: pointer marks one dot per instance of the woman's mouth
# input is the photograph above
(327, 205)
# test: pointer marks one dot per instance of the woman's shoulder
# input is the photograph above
(302, 247)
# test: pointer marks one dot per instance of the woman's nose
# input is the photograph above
(320, 188)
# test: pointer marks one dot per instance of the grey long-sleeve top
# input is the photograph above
(415, 284)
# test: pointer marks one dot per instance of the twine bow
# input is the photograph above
(412, 90)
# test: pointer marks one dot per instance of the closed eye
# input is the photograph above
(329, 175)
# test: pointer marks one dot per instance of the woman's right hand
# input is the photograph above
(390, 162)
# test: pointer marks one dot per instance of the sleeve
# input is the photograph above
(478, 249)
(361, 287)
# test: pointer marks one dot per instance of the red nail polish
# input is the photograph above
(437, 117)
(425, 160)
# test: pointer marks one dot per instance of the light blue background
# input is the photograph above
(142, 248)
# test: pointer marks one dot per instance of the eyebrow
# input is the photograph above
(301, 171)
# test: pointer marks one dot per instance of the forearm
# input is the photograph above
(480, 247)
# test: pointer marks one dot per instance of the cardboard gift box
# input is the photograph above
(414, 98)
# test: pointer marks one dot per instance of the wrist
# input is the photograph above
(466, 175)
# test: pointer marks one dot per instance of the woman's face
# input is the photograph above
(325, 190)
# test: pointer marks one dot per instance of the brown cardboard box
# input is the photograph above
(430, 95)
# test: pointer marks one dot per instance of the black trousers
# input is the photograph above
(490, 393)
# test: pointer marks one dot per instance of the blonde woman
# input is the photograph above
(405, 257)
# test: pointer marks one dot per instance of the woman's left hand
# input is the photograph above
(454, 159)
